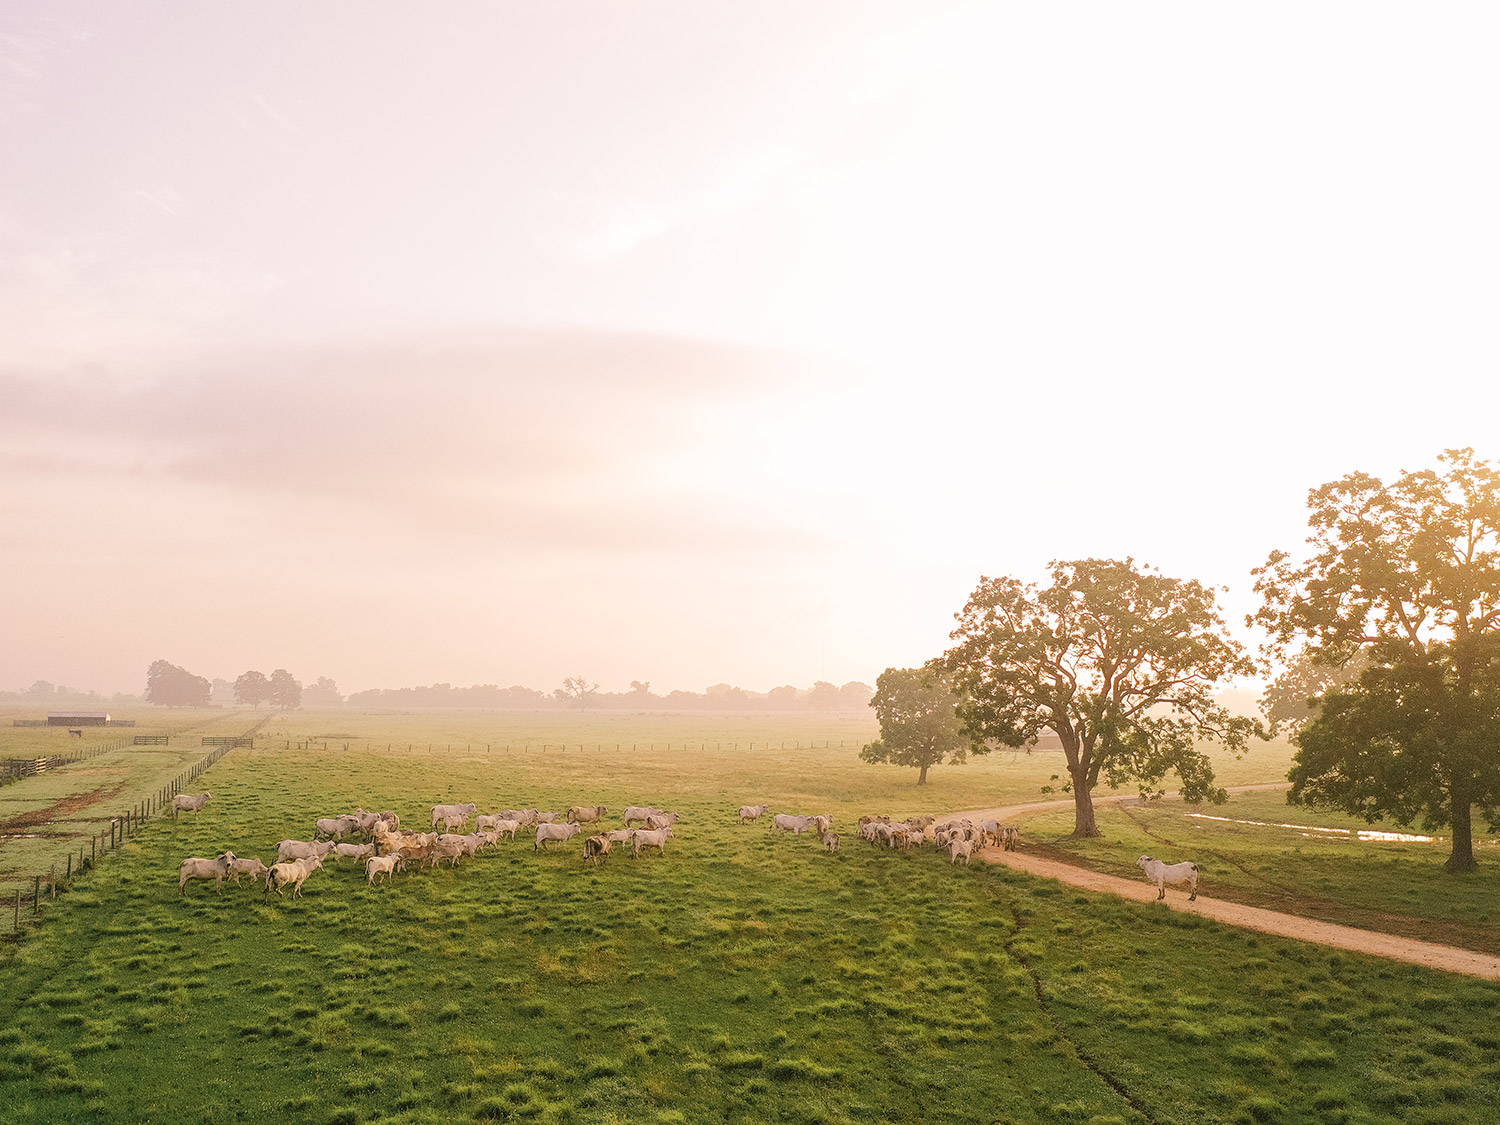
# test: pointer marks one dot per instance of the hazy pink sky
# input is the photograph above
(694, 342)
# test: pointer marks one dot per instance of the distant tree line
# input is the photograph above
(172, 686)
(578, 693)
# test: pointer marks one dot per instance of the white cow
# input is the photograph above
(554, 833)
(753, 812)
(796, 824)
(289, 850)
(378, 865)
(189, 802)
(216, 869)
(656, 838)
(1163, 873)
(441, 813)
(963, 848)
(292, 874)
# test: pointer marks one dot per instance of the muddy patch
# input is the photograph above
(60, 811)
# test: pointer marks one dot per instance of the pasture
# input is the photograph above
(738, 978)
(1317, 867)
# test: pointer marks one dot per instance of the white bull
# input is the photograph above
(1161, 874)
(216, 869)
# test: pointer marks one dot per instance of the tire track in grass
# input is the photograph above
(1041, 999)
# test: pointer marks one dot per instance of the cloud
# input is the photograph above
(551, 438)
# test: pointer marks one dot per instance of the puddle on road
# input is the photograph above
(1344, 833)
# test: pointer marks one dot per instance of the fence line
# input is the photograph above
(13, 768)
(120, 829)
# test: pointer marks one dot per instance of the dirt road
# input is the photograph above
(1428, 954)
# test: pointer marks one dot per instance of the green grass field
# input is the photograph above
(739, 978)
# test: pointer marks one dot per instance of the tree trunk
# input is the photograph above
(1461, 858)
(922, 777)
(1083, 806)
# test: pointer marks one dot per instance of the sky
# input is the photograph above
(700, 342)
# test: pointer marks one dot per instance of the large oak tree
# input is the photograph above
(1403, 578)
(1118, 661)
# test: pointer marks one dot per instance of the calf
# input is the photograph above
(830, 841)
(378, 865)
(248, 866)
(596, 848)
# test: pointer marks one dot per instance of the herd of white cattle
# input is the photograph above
(378, 841)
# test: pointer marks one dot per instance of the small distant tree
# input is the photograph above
(640, 687)
(919, 725)
(577, 692)
(823, 697)
(285, 692)
(252, 688)
(169, 685)
(322, 693)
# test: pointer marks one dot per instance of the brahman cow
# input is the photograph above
(216, 869)
(189, 802)
(1163, 873)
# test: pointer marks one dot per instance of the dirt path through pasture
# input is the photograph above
(1428, 954)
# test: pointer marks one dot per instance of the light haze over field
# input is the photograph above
(696, 342)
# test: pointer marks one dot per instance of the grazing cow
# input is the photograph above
(963, 848)
(1163, 873)
(830, 841)
(795, 824)
(657, 820)
(352, 851)
(246, 866)
(596, 848)
(640, 813)
(451, 850)
(989, 832)
(189, 802)
(454, 823)
(550, 833)
(586, 814)
(216, 869)
(441, 813)
(656, 838)
(335, 827)
(468, 845)
(753, 812)
(289, 850)
(292, 874)
(385, 865)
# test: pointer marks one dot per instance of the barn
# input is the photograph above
(77, 718)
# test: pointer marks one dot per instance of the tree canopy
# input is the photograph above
(285, 691)
(252, 687)
(1118, 662)
(1403, 580)
(919, 724)
(172, 686)
(576, 691)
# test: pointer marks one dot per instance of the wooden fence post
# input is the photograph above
(36, 895)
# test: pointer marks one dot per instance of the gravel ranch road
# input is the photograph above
(1428, 954)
